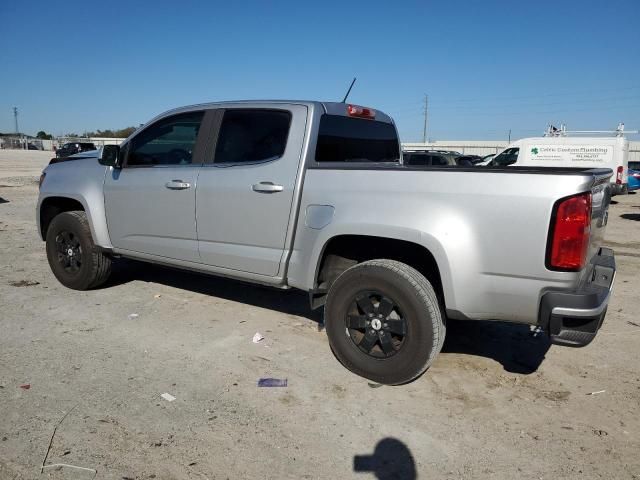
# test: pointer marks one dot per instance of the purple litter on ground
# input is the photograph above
(272, 382)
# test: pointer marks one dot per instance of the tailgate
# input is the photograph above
(600, 200)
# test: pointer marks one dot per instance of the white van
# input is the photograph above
(579, 152)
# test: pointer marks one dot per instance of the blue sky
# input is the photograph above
(487, 66)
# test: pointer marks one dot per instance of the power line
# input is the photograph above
(538, 104)
(515, 110)
(412, 106)
(551, 94)
(563, 111)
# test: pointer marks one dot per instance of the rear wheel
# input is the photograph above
(384, 322)
(73, 257)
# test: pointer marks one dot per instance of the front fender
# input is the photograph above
(83, 182)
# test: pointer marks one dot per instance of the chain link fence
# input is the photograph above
(22, 142)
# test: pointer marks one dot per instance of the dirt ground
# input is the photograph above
(499, 402)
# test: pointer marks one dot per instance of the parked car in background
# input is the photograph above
(72, 148)
(485, 160)
(472, 159)
(434, 158)
(634, 176)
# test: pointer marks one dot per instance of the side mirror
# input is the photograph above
(110, 156)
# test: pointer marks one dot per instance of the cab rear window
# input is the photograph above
(346, 139)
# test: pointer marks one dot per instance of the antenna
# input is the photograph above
(349, 91)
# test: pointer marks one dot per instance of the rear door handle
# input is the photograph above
(177, 185)
(267, 187)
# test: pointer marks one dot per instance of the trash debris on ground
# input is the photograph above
(24, 283)
(157, 295)
(168, 397)
(596, 393)
(272, 382)
(60, 466)
(133, 316)
(26, 386)
(257, 337)
(374, 385)
(633, 323)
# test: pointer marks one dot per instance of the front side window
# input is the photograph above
(346, 139)
(252, 136)
(508, 157)
(170, 141)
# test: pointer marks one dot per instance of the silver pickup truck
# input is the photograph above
(314, 196)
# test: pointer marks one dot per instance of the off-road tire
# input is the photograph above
(95, 266)
(414, 296)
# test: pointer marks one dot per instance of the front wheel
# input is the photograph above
(73, 257)
(384, 322)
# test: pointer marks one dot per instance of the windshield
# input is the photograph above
(508, 157)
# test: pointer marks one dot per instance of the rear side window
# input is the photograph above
(416, 159)
(438, 160)
(250, 136)
(346, 139)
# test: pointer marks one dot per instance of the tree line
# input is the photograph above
(122, 133)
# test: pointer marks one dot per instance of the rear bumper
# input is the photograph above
(572, 318)
(619, 189)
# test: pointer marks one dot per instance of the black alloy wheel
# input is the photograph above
(376, 324)
(69, 252)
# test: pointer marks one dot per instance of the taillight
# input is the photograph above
(619, 175)
(361, 112)
(570, 232)
(42, 175)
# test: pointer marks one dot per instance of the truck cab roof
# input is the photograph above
(331, 108)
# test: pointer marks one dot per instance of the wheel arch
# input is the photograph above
(344, 250)
(51, 206)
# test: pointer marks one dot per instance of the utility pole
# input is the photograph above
(426, 112)
(509, 135)
(15, 116)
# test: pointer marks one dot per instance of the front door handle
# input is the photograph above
(177, 185)
(267, 187)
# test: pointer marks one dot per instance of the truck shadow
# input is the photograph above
(291, 302)
(631, 216)
(512, 345)
(516, 347)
